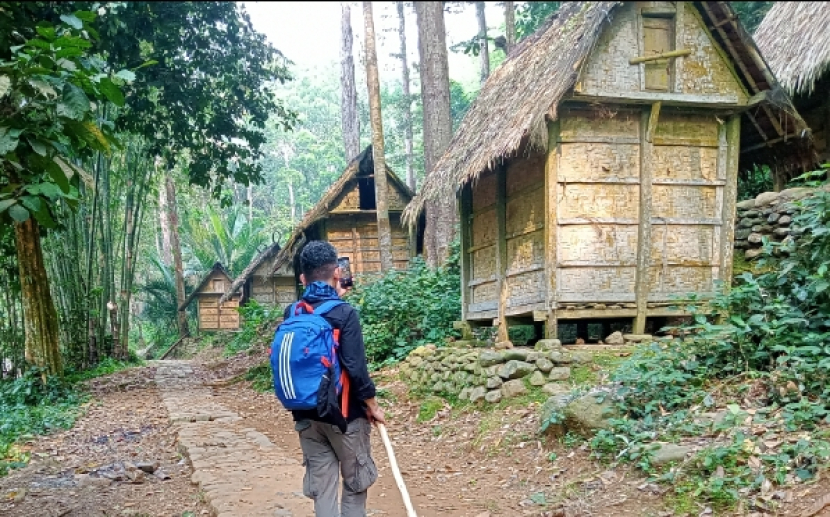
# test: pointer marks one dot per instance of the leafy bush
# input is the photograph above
(770, 350)
(402, 310)
(258, 325)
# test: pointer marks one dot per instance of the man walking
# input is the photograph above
(328, 452)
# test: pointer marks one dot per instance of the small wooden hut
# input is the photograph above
(346, 217)
(213, 314)
(261, 282)
(795, 41)
(597, 169)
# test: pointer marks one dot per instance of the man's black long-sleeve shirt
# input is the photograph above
(352, 356)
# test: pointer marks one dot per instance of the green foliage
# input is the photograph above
(261, 377)
(226, 236)
(49, 88)
(771, 346)
(753, 182)
(751, 13)
(259, 323)
(402, 310)
(531, 15)
(429, 407)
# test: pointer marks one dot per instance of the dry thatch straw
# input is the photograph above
(363, 164)
(795, 41)
(525, 91)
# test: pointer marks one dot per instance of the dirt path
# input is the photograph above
(81, 472)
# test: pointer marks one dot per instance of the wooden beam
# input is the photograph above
(664, 55)
(465, 218)
(727, 101)
(641, 287)
(730, 197)
(551, 227)
(653, 119)
(501, 250)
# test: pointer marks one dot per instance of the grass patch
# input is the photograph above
(429, 407)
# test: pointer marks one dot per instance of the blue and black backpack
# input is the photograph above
(304, 359)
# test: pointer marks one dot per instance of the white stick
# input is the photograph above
(396, 473)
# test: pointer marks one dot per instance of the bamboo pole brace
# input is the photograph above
(396, 472)
(664, 55)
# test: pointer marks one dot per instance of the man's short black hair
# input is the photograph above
(318, 261)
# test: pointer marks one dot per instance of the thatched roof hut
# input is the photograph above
(214, 314)
(346, 217)
(261, 282)
(524, 93)
(597, 169)
(795, 41)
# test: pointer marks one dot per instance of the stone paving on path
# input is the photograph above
(239, 470)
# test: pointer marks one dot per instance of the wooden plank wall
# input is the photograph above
(356, 236)
(481, 253)
(211, 316)
(525, 235)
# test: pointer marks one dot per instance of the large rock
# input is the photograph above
(559, 357)
(493, 396)
(513, 388)
(490, 358)
(546, 345)
(544, 364)
(615, 338)
(494, 382)
(554, 404)
(555, 388)
(560, 373)
(586, 414)
(503, 345)
(746, 205)
(766, 198)
(517, 354)
(537, 379)
(666, 453)
(638, 338)
(792, 194)
(515, 369)
(582, 357)
(414, 361)
(465, 394)
(478, 393)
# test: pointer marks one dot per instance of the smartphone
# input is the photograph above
(345, 272)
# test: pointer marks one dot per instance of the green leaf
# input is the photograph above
(74, 104)
(46, 30)
(43, 88)
(18, 213)
(126, 75)
(60, 173)
(148, 63)
(67, 65)
(6, 203)
(69, 52)
(40, 210)
(33, 203)
(87, 16)
(5, 85)
(37, 147)
(72, 41)
(8, 141)
(73, 21)
(111, 92)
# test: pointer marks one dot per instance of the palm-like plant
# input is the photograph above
(231, 240)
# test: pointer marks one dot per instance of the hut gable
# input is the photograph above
(584, 52)
(656, 28)
(214, 314)
(346, 216)
(259, 281)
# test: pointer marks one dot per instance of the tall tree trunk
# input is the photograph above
(173, 221)
(484, 50)
(509, 26)
(435, 95)
(250, 198)
(381, 188)
(40, 318)
(167, 254)
(348, 103)
(407, 99)
(291, 202)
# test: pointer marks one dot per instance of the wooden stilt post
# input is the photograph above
(648, 127)
(551, 242)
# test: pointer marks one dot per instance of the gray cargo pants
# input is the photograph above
(326, 454)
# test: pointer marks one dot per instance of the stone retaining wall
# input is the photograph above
(491, 375)
(769, 215)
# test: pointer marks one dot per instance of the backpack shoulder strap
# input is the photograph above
(292, 310)
(326, 307)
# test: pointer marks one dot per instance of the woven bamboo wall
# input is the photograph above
(278, 289)
(356, 236)
(483, 294)
(212, 316)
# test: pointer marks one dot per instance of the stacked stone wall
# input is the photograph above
(769, 215)
(491, 375)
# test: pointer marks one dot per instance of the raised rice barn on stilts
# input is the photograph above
(214, 314)
(795, 42)
(597, 168)
(346, 216)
